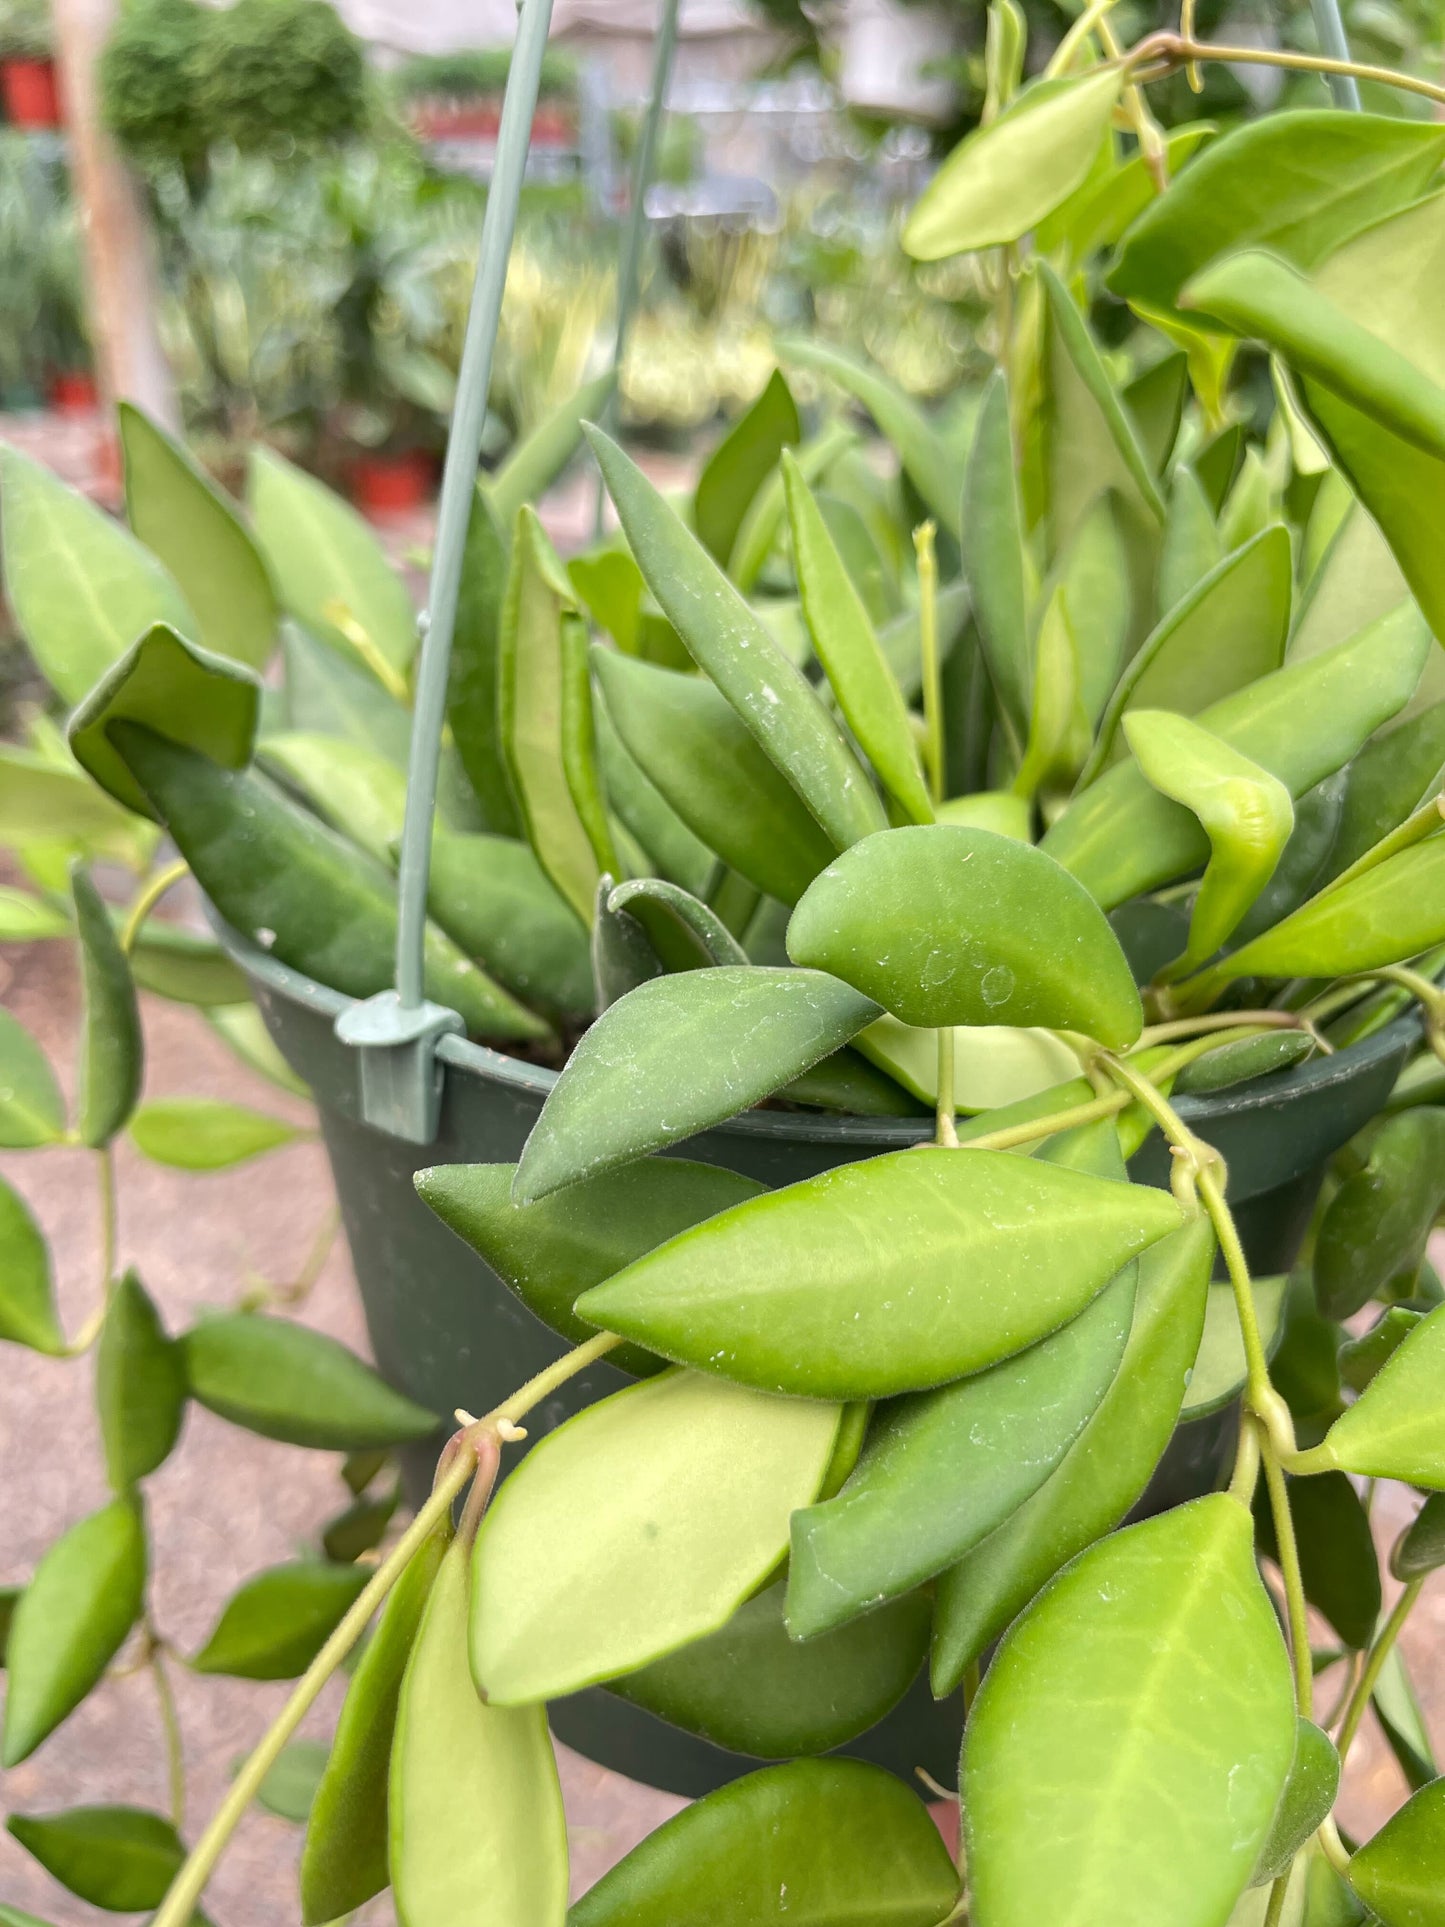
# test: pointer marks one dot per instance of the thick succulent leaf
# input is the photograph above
(81, 587)
(1396, 1427)
(290, 1383)
(946, 925)
(32, 1111)
(205, 1133)
(473, 682)
(730, 643)
(1420, 1549)
(752, 1689)
(1400, 1873)
(1244, 1060)
(1309, 1794)
(552, 1251)
(1154, 402)
(1192, 548)
(1123, 463)
(28, 1314)
(689, 743)
(1218, 1373)
(1388, 781)
(177, 689)
(1336, 1552)
(993, 558)
(185, 520)
(1295, 183)
(112, 1046)
(814, 1843)
(636, 1528)
(891, 1275)
(740, 464)
(329, 569)
(278, 1621)
(641, 808)
(140, 1386)
(477, 1836)
(1102, 1475)
(1072, 1799)
(1378, 1222)
(120, 1858)
(678, 1054)
(343, 1862)
(493, 899)
(86, 1594)
(535, 462)
(1005, 178)
(942, 1469)
(1362, 1357)
(288, 883)
(682, 930)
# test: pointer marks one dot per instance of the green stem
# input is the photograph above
(1171, 50)
(90, 1330)
(945, 1109)
(1278, 1894)
(923, 548)
(150, 896)
(1220, 1020)
(1062, 57)
(1294, 1589)
(1333, 1848)
(1375, 1665)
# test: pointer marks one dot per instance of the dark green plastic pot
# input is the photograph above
(447, 1330)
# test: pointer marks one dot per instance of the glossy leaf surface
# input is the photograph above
(27, 1298)
(204, 1133)
(1396, 1427)
(112, 1047)
(477, 1837)
(552, 1251)
(494, 899)
(740, 464)
(942, 1469)
(637, 1527)
(277, 1622)
(1378, 1222)
(1400, 1873)
(815, 1843)
(120, 1858)
(84, 1597)
(1309, 1794)
(1071, 1800)
(676, 1055)
(1103, 1473)
(185, 520)
(140, 1386)
(1242, 1061)
(1218, 1372)
(290, 1383)
(891, 1275)
(946, 925)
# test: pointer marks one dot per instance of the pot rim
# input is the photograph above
(1315, 1077)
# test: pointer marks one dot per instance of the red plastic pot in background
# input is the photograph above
(385, 486)
(72, 391)
(31, 96)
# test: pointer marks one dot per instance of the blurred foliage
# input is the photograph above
(41, 303)
(474, 73)
(24, 29)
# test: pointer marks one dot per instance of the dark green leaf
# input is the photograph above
(676, 1055)
(1388, 780)
(1420, 1549)
(358, 1469)
(32, 1111)
(741, 463)
(120, 1858)
(140, 1386)
(1336, 1553)
(1309, 1794)
(472, 688)
(993, 558)
(1154, 402)
(1397, 1708)
(86, 1594)
(277, 1623)
(27, 1297)
(1244, 1060)
(684, 932)
(354, 788)
(1303, 865)
(1306, 1367)
(287, 1382)
(622, 953)
(891, 1275)
(641, 808)
(1396, 1427)
(1362, 1357)
(815, 1843)
(1379, 1220)
(494, 899)
(946, 925)
(360, 1528)
(112, 1047)
(1400, 1873)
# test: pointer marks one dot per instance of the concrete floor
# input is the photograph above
(227, 1504)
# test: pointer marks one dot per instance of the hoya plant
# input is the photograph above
(1064, 813)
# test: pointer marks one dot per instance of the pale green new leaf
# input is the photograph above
(1396, 1427)
(205, 1133)
(32, 1111)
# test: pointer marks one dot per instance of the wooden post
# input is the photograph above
(119, 246)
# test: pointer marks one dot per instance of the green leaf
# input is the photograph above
(731, 645)
(752, 1689)
(287, 1382)
(81, 587)
(1154, 400)
(1397, 1708)
(140, 1386)
(997, 810)
(1094, 595)
(328, 567)
(177, 689)
(1379, 1221)
(551, 1251)
(1301, 723)
(186, 521)
(535, 462)
(289, 1786)
(32, 1111)
(86, 1594)
(1396, 1429)
(112, 1045)
(946, 925)
(360, 1528)
(942, 1469)
(814, 1843)
(1336, 1552)
(636, 1527)
(343, 1863)
(1192, 547)
(1246, 813)
(1420, 1549)
(928, 460)
(993, 1064)
(1120, 461)
(29, 919)
(477, 1836)
(493, 898)
(473, 687)
(891, 1275)
(688, 741)
(622, 955)
(288, 883)
(763, 523)
(1306, 1367)
(27, 1297)
(676, 1055)
(42, 799)
(645, 812)
(186, 967)
(1218, 1373)
(1104, 1472)
(276, 1624)
(1256, 188)
(741, 463)
(1308, 1797)
(120, 1858)
(1400, 1873)
(1362, 1357)
(205, 1134)
(684, 933)
(538, 610)
(1243, 1061)
(847, 647)
(1003, 179)
(335, 694)
(1226, 635)
(1072, 1798)
(1388, 780)
(359, 792)
(993, 555)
